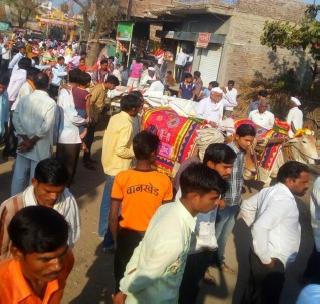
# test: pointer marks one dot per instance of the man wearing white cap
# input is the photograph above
(211, 108)
(295, 116)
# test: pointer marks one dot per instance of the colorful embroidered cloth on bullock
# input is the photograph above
(270, 153)
(177, 136)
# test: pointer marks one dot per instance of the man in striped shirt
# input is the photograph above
(48, 189)
(244, 137)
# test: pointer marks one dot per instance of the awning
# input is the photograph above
(189, 36)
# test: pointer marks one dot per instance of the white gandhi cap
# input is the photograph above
(216, 90)
(296, 101)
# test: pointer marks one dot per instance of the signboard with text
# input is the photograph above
(203, 40)
(124, 31)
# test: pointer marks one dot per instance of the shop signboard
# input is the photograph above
(124, 31)
(203, 40)
(4, 26)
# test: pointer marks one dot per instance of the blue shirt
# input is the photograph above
(310, 295)
(4, 111)
(187, 90)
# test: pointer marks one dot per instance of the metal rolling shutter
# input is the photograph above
(209, 63)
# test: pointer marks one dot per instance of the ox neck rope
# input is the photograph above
(303, 154)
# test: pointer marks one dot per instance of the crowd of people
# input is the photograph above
(166, 234)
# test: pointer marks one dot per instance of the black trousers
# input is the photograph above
(53, 91)
(4, 66)
(179, 73)
(265, 284)
(196, 267)
(88, 140)
(127, 241)
(69, 155)
(10, 140)
(312, 272)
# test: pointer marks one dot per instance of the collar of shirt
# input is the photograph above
(186, 215)
(284, 189)
(40, 92)
(125, 114)
(24, 291)
(235, 148)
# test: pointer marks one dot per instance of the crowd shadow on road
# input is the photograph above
(86, 181)
(100, 285)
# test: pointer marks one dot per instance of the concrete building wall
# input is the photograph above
(244, 56)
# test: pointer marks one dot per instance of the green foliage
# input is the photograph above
(23, 10)
(305, 34)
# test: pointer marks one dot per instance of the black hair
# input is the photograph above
(138, 60)
(74, 75)
(187, 75)
(103, 61)
(144, 144)
(246, 130)
(38, 229)
(214, 84)
(138, 94)
(60, 58)
(263, 93)
(231, 82)
(169, 72)
(84, 78)
(291, 169)
(129, 102)
(201, 179)
(32, 72)
(36, 60)
(41, 81)
(113, 80)
(51, 171)
(219, 153)
(197, 74)
(24, 63)
(82, 59)
(111, 58)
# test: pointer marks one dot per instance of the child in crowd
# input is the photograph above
(138, 193)
(154, 272)
(187, 88)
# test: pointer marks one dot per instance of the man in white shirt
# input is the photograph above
(262, 117)
(48, 189)
(13, 64)
(274, 219)
(155, 270)
(27, 88)
(211, 108)
(181, 61)
(218, 157)
(33, 120)
(295, 116)
(6, 53)
(230, 93)
(58, 71)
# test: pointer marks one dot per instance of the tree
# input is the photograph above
(304, 35)
(23, 10)
(64, 7)
(98, 21)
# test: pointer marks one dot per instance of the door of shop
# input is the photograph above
(209, 62)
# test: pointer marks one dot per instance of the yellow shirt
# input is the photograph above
(117, 150)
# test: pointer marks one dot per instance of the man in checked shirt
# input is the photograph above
(244, 137)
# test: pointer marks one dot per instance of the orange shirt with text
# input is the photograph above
(141, 193)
